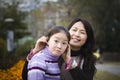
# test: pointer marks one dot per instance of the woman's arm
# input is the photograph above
(24, 71)
(40, 44)
(79, 74)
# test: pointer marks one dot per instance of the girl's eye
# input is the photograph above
(64, 43)
(56, 41)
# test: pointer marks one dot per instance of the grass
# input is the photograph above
(103, 75)
(112, 63)
(14, 73)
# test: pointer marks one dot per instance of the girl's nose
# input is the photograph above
(59, 45)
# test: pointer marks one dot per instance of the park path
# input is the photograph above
(115, 69)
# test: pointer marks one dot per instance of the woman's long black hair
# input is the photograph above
(87, 49)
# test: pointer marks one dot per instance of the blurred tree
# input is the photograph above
(18, 26)
(35, 22)
(11, 19)
(105, 18)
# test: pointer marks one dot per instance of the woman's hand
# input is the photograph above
(67, 55)
(40, 44)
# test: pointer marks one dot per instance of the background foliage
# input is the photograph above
(19, 28)
(104, 15)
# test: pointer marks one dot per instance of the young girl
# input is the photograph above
(44, 64)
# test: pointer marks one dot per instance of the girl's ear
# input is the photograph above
(67, 54)
(66, 49)
(47, 38)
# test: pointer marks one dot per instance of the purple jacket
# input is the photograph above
(43, 66)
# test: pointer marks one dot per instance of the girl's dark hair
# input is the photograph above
(87, 49)
(58, 29)
(53, 31)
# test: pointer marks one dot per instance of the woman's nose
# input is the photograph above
(77, 33)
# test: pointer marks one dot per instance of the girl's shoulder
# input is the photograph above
(38, 55)
(38, 60)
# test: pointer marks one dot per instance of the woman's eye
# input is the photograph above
(83, 32)
(74, 30)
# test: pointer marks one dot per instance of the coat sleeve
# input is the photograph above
(36, 68)
(78, 74)
(35, 74)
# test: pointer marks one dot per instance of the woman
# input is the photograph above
(80, 62)
(82, 44)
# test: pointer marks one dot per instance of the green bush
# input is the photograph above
(103, 75)
(7, 60)
(4, 56)
(23, 49)
(3, 49)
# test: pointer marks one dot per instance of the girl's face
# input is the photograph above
(78, 36)
(58, 43)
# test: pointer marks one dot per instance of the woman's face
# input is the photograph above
(78, 35)
(58, 43)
